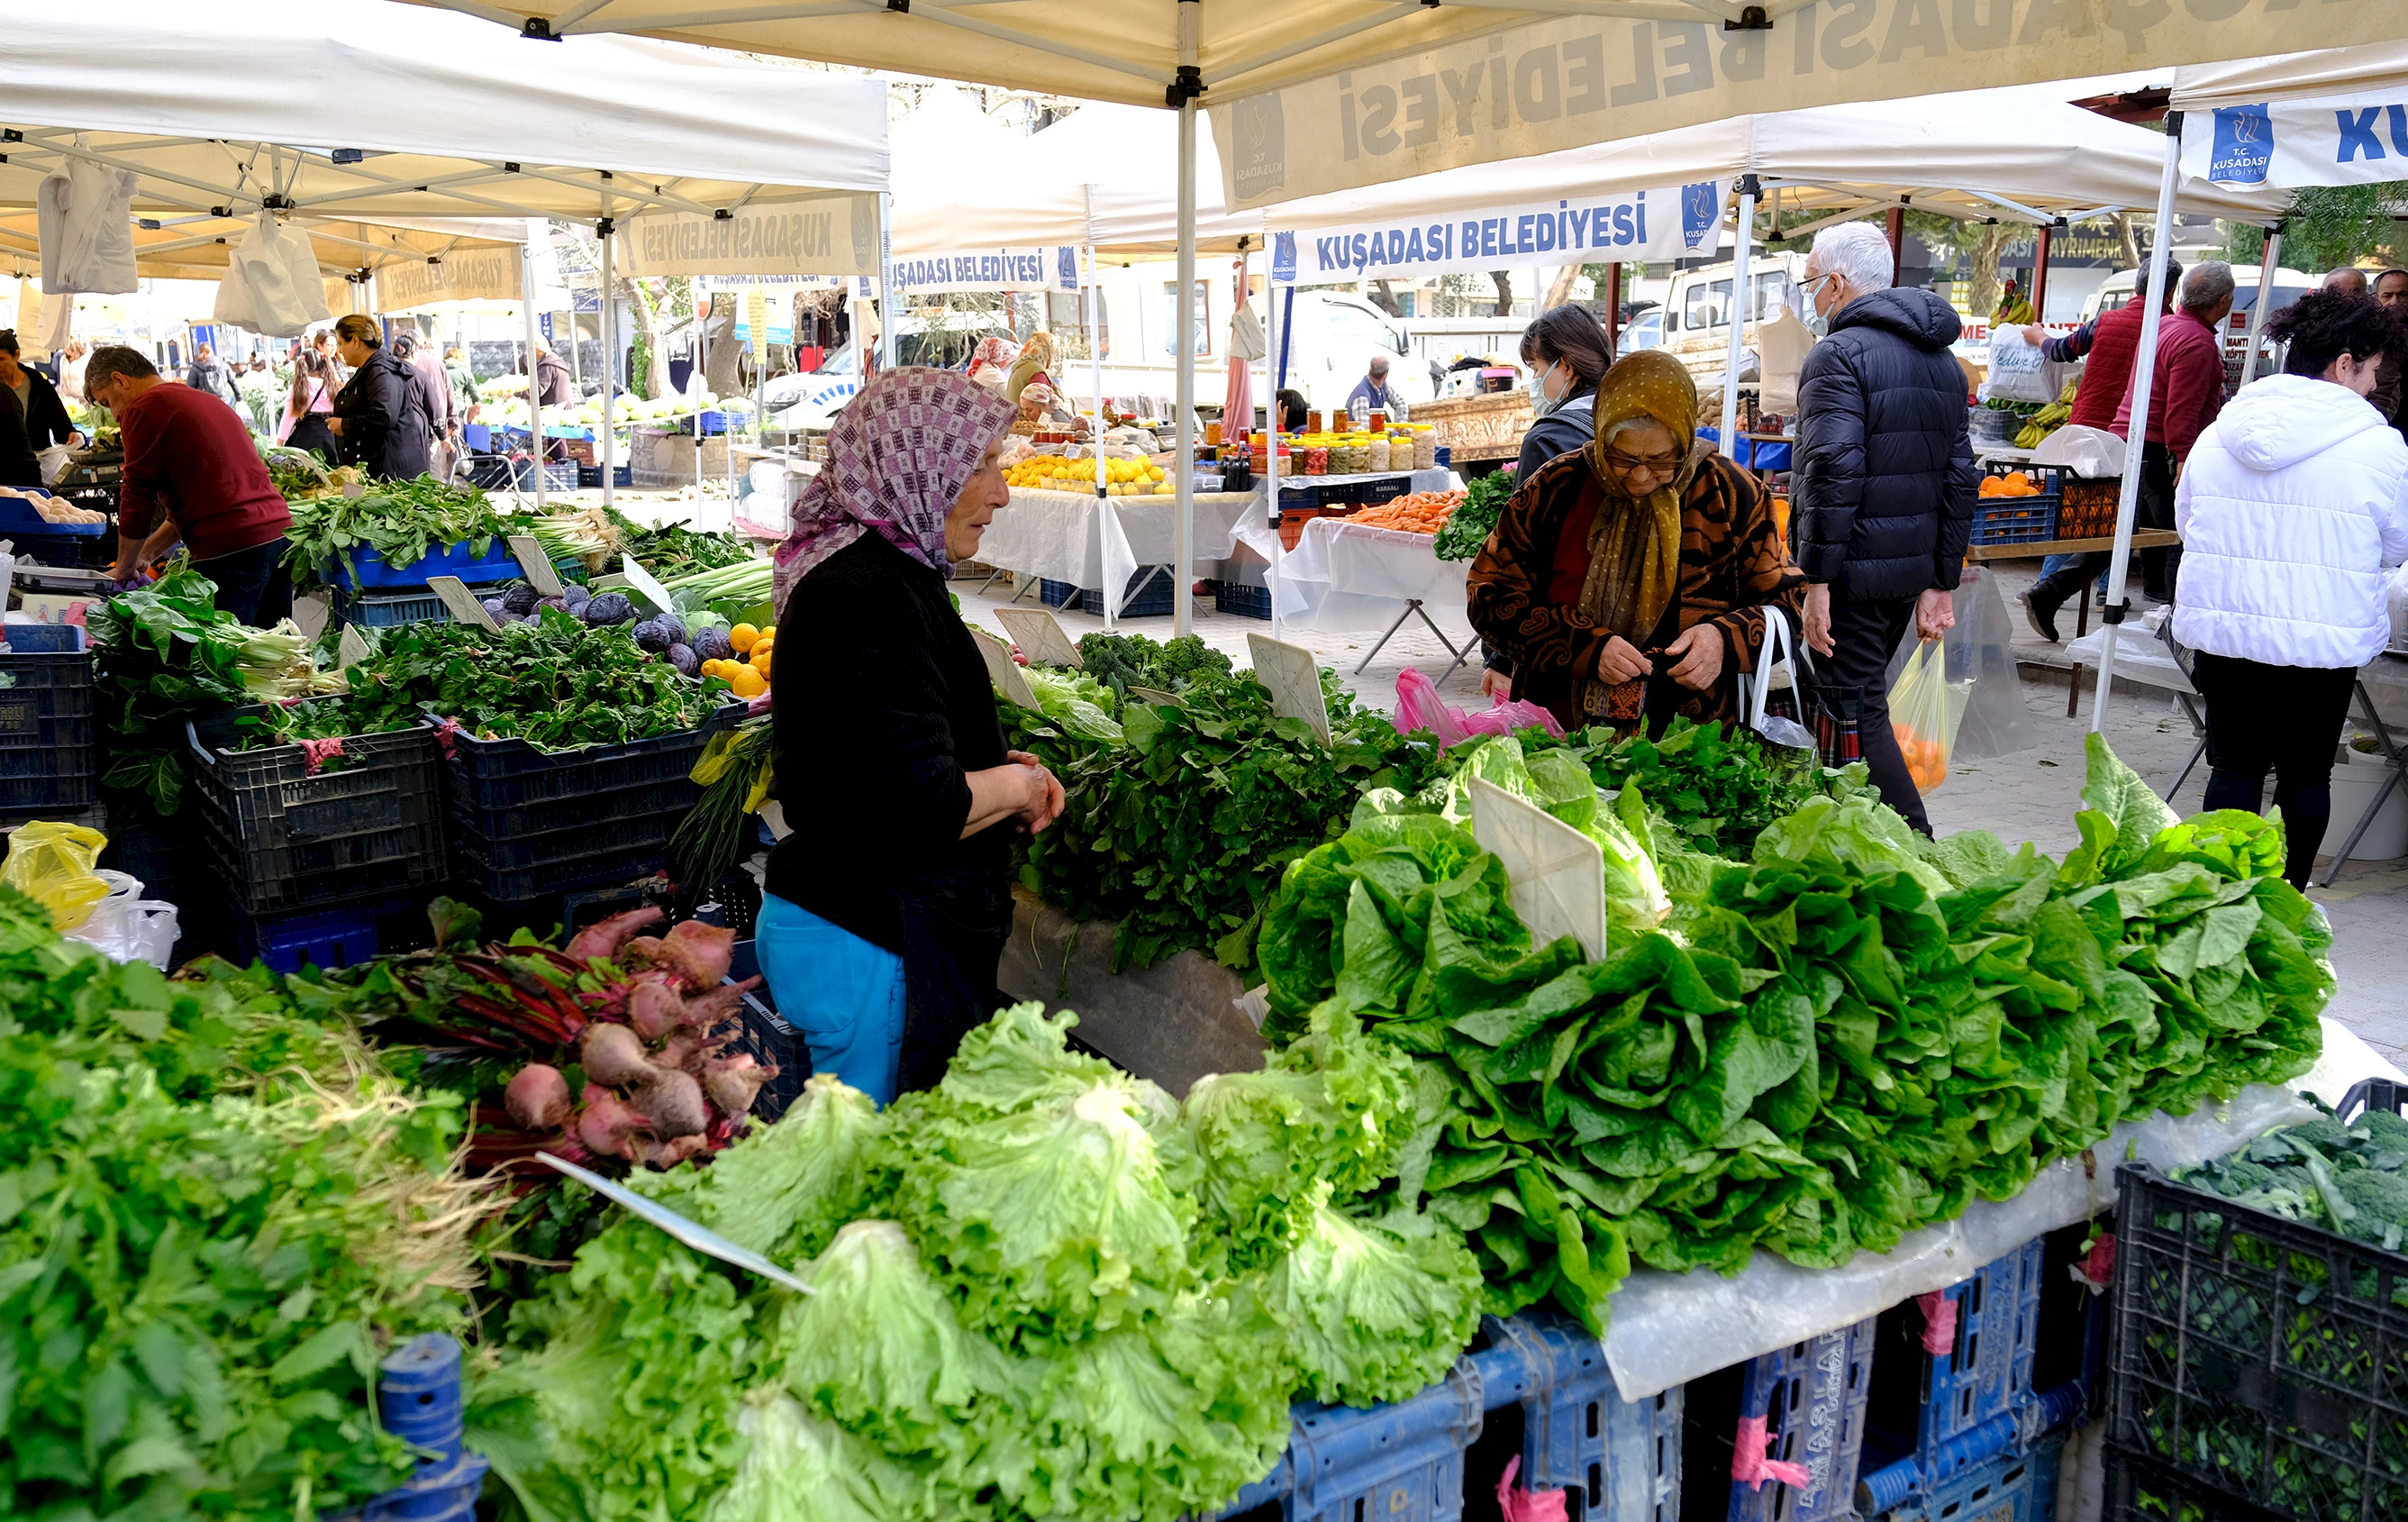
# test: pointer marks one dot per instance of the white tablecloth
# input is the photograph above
(1067, 535)
(1344, 576)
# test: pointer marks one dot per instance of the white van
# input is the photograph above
(1697, 311)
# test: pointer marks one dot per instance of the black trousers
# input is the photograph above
(252, 584)
(2159, 567)
(2282, 719)
(1864, 637)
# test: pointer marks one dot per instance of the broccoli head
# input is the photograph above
(2387, 1131)
(2236, 1176)
(2324, 1133)
(2380, 1197)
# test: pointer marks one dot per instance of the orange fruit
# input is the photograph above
(749, 683)
(761, 659)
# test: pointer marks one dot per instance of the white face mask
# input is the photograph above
(1542, 403)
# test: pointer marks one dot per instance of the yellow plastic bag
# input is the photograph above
(1923, 710)
(52, 863)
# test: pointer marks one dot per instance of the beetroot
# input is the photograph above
(612, 1054)
(640, 953)
(704, 1011)
(699, 952)
(734, 1082)
(671, 1104)
(605, 936)
(608, 1127)
(667, 1155)
(537, 1097)
(653, 1007)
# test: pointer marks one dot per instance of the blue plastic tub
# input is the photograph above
(478, 436)
(495, 564)
(17, 518)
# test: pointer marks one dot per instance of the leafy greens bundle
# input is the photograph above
(1839, 1042)
(402, 520)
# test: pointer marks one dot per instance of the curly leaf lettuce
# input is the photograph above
(1375, 1316)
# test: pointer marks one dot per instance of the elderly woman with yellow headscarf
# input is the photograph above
(1036, 363)
(1630, 581)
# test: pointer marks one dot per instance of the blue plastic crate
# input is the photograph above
(1397, 1463)
(1811, 1398)
(1243, 601)
(710, 423)
(1151, 589)
(337, 938)
(48, 766)
(477, 435)
(370, 611)
(495, 564)
(20, 522)
(1619, 1459)
(2012, 1488)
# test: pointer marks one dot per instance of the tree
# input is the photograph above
(2329, 226)
(1384, 296)
(1504, 279)
(1980, 242)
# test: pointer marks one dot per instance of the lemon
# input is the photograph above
(741, 637)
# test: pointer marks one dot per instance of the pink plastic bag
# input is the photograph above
(1419, 707)
(1519, 1505)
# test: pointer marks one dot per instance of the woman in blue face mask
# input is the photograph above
(1567, 351)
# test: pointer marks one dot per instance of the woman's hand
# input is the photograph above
(1496, 686)
(1621, 661)
(1701, 657)
(1047, 800)
(1817, 622)
(335, 426)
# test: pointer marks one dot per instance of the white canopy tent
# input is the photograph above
(1322, 94)
(370, 112)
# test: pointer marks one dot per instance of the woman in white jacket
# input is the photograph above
(2293, 502)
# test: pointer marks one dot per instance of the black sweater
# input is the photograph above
(872, 754)
(41, 423)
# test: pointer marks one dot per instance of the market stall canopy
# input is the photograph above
(197, 246)
(1315, 95)
(356, 109)
(2333, 117)
(964, 183)
(2018, 154)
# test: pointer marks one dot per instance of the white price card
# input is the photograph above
(1005, 671)
(1556, 873)
(1156, 695)
(640, 582)
(463, 602)
(693, 1233)
(1041, 637)
(1294, 677)
(528, 550)
(350, 648)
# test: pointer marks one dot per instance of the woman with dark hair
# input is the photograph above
(381, 413)
(309, 404)
(2291, 505)
(1292, 411)
(1631, 580)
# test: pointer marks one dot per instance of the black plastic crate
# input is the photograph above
(1243, 601)
(548, 880)
(589, 477)
(644, 835)
(494, 774)
(46, 757)
(388, 610)
(283, 839)
(2264, 1358)
(2141, 1490)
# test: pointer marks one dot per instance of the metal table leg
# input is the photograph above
(2397, 765)
(1413, 606)
(1410, 603)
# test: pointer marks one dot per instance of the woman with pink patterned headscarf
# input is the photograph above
(884, 912)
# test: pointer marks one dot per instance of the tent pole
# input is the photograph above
(701, 303)
(610, 353)
(2039, 276)
(2144, 365)
(535, 370)
(890, 323)
(1741, 302)
(1612, 309)
(1183, 513)
(1896, 226)
(2267, 259)
(1094, 298)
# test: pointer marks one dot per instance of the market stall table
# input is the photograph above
(2142, 538)
(1344, 576)
(1064, 537)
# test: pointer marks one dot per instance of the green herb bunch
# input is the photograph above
(403, 520)
(1468, 526)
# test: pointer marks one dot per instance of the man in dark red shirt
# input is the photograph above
(191, 474)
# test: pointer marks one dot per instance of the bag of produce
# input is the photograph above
(2019, 371)
(1924, 708)
(52, 863)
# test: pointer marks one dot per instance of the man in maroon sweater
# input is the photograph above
(2185, 391)
(191, 474)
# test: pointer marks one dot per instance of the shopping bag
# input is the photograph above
(1775, 717)
(1419, 707)
(52, 863)
(124, 926)
(1923, 710)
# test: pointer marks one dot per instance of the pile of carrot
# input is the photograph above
(1417, 513)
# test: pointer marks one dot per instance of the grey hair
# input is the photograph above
(2204, 285)
(1857, 253)
(1631, 424)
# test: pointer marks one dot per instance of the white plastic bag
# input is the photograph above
(2088, 452)
(127, 927)
(2019, 371)
(1774, 726)
(55, 462)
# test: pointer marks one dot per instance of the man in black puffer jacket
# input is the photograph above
(1885, 486)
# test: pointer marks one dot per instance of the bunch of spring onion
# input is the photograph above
(744, 584)
(572, 535)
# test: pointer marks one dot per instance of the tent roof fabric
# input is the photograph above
(198, 248)
(446, 122)
(2308, 76)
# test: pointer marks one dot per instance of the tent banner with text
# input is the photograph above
(1055, 267)
(1570, 82)
(1678, 221)
(461, 275)
(2352, 141)
(827, 235)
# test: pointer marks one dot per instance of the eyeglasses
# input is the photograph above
(1810, 285)
(1658, 464)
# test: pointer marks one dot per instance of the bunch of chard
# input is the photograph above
(643, 1021)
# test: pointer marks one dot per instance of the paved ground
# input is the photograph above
(2031, 794)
